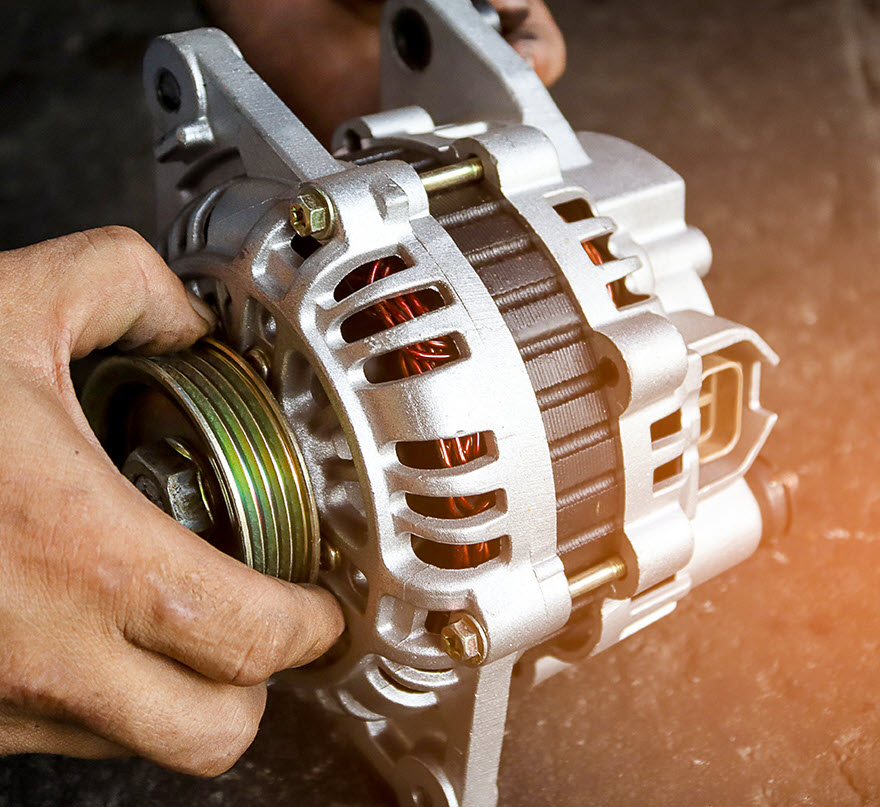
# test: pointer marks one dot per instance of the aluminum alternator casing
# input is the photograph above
(618, 414)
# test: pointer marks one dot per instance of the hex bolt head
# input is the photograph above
(312, 215)
(170, 479)
(464, 640)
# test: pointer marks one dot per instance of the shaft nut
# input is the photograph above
(464, 640)
(170, 480)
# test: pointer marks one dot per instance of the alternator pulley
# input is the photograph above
(200, 434)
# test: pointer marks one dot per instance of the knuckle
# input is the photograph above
(168, 602)
(264, 653)
(220, 747)
(122, 238)
(115, 251)
(138, 258)
(35, 684)
(204, 761)
(138, 262)
(88, 243)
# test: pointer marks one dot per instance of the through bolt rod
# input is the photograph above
(597, 576)
(447, 177)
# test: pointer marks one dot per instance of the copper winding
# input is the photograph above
(593, 252)
(596, 257)
(419, 358)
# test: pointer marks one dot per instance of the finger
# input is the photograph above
(225, 620)
(100, 287)
(165, 588)
(80, 544)
(258, 627)
(34, 734)
(205, 609)
(165, 712)
(530, 28)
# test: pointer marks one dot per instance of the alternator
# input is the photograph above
(467, 377)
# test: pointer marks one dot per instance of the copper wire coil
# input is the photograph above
(419, 358)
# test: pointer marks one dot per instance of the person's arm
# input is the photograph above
(121, 632)
(322, 56)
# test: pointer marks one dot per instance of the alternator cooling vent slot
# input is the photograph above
(368, 273)
(415, 359)
(380, 317)
(446, 453)
(554, 341)
(456, 556)
(452, 507)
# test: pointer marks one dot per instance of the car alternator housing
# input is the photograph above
(521, 426)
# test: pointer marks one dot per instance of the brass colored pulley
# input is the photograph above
(201, 435)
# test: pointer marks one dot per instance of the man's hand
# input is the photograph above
(322, 56)
(120, 631)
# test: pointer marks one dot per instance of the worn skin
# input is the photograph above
(121, 632)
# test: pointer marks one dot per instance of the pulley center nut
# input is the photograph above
(170, 479)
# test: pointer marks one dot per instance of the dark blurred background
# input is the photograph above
(762, 688)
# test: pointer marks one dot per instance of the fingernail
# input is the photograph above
(203, 310)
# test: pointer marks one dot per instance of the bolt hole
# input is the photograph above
(168, 91)
(420, 798)
(358, 582)
(435, 621)
(304, 246)
(609, 373)
(412, 40)
(351, 140)
(268, 325)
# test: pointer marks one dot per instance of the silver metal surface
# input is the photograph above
(232, 158)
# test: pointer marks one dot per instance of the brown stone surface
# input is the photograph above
(762, 688)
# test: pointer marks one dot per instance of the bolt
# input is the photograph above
(149, 488)
(464, 640)
(312, 215)
(608, 571)
(258, 358)
(169, 477)
(447, 177)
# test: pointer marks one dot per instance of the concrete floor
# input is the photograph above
(762, 688)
